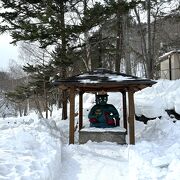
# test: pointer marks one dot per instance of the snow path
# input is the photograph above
(94, 161)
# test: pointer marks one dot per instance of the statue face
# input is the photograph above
(101, 99)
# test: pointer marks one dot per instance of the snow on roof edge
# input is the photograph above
(169, 53)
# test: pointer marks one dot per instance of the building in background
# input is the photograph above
(170, 65)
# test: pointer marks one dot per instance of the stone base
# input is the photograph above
(116, 134)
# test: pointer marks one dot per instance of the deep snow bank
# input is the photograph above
(153, 101)
(30, 149)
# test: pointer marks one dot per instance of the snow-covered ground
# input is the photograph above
(33, 149)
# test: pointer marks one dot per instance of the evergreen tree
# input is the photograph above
(108, 43)
(40, 85)
(19, 97)
(44, 22)
(51, 23)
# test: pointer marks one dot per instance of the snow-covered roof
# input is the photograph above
(102, 77)
(165, 55)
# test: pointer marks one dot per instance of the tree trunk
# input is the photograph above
(119, 38)
(38, 107)
(88, 63)
(100, 50)
(25, 110)
(143, 44)
(64, 70)
(20, 110)
(150, 61)
(126, 44)
(46, 102)
(64, 98)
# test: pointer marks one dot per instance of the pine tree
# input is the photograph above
(44, 22)
(108, 46)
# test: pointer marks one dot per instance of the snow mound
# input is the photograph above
(153, 101)
(30, 150)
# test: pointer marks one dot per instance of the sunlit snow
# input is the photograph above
(37, 149)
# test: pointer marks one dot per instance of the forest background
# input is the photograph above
(61, 38)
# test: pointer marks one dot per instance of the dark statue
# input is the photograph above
(103, 115)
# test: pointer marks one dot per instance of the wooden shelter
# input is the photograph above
(109, 81)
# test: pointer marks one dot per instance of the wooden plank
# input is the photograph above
(72, 114)
(131, 117)
(80, 110)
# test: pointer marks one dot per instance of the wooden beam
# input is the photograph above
(100, 88)
(80, 110)
(124, 110)
(72, 115)
(131, 117)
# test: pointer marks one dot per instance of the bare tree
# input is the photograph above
(33, 54)
(148, 29)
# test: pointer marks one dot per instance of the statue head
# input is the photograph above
(101, 98)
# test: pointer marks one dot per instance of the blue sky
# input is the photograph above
(7, 51)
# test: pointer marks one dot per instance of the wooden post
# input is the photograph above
(72, 114)
(124, 110)
(131, 117)
(80, 110)
(170, 68)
